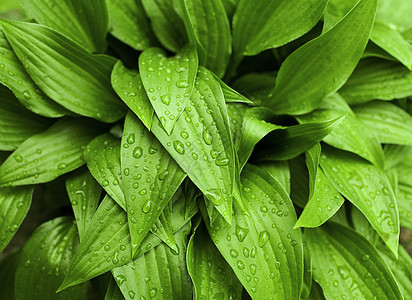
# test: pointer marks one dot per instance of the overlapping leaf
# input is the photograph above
(166, 24)
(128, 23)
(128, 85)
(65, 71)
(109, 237)
(44, 261)
(201, 143)
(16, 123)
(211, 275)
(367, 188)
(377, 79)
(346, 265)
(102, 155)
(254, 23)
(168, 82)
(327, 63)
(83, 21)
(391, 123)
(260, 245)
(113, 291)
(280, 171)
(208, 28)
(159, 273)
(14, 76)
(47, 155)
(150, 178)
(14, 205)
(350, 134)
(84, 193)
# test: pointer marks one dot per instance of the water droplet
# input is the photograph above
(365, 257)
(184, 134)
(165, 99)
(182, 84)
(115, 258)
(147, 206)
(253, 269)
(240, 265)
(107, 247)
(153, 292)
(234, 253)
(126, 171)
(163, 175)
(27, 95)
(18, 158)
(143, 192)
(222, 162)
(131, 138)
(179, 147)
(241, 233)
(131, 294)
(207, 137)
(137, 152)
(263, 238)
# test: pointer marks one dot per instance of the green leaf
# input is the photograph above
(113, 291)
(128, 22)
(14, 76)
(201, 143)
(14, 205)
(150, 178)
(346, 265)
(391, 123)
(109, 237)
(395, 154)
(404, 197)
(350, 134)
(299, 181)
(65, 71)
(159, 273)
(284, 144)
(254, 23)
(367, 188)
(166, 24)
(207, 26)
(328, 62)
(280, 171)
(85, 22)
(260, 245)
(307, 274)
(8, 267)
(377, 79)
(168, 82)
(163, 229)
(48, 251)
(16, 123)
(211, 275)
(322, 205)
(84, 193)
(395, 12)
(47, 155)
(128, 85)
(230, 94)
(312, 156)
(391, 41)
(102, 155)
(401, 269)
(256, 86)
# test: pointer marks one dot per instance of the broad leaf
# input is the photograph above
(14, 76)
(128, 85)
(166, 24)
(395, 12)
(328, 62)
(16, 123)
(377, 79)
(260, 245)
(401, 269)
(265, 24)
(163, 228)
(150, 178)
(404, 197)
(391, 123)
(84, 193)
(87, 18)
(109, 237)
(47, 155)
(292, 141)
(346, 265)
(350, 134)
(211, 275)
(322, 205)
(312, 156)
(230, 94)
(280, 171)
(391, 40)
(367, 188)
(201, 143)
(208, 28)
(168, 82)
(113, 291)
(65, 71)
(159, 273)
(14, 205)
(395, 154)
(44, 262)
(102, 155)
(128, 23)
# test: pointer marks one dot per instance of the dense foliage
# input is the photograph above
(206, 149)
